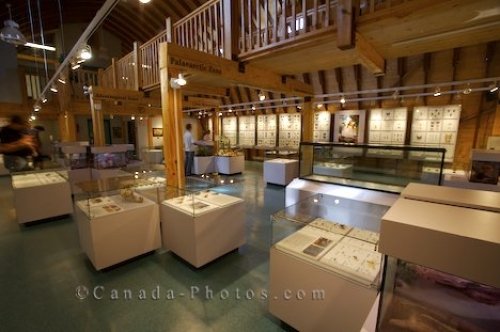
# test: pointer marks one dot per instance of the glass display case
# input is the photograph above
(439, 272)
(418, 298)
(116, 220)
(76, 156)
(106, 157)
(328, 243)
(379, 167)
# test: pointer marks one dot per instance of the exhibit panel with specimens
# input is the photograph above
(246, 132)
(200, 226)
(117, 220)
(328, 243)
(322, 122)
(387, 126)
(289, 130)
(436, 126)
(267, 130)
(230, 129)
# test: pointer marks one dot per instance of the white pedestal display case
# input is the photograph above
(427, 288)
(204, 165)
(324, 264)
(280, 171)
(230, 164)
(116, 225)
(40, 195)
(201, 227)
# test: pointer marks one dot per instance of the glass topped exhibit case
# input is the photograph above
(385, 168)
(116, 221)
(326, 243)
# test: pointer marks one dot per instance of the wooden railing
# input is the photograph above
(268, 23)
(203, 29)
(262, 24)
(149, 61)
(82, 77)
(125, 72)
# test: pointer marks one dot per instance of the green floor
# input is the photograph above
(42, 266)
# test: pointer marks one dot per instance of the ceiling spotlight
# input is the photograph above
(319, 105)
(141, 118)
(230, 110)
(299, 107)
(342, 100)
(493, 87)
(44, 99)
(42, 47)
(85, 52)
(395, 95)
(181, 80)
(75, 64)
(37, 107)
(262, 96)
(437, 92)
(253, 108)
(33, 117)
(467, 90)
(62, 79)
(85, 88)
(144, 1)
(10, 32)
(132, 117)
(111, 116)
(53, 88)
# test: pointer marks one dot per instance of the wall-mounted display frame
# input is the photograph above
(289, 130)
(230, 129)
(157, 132)
(350, 126)
(266, 130)
(387, 126)
(322, 123)
(246, 132)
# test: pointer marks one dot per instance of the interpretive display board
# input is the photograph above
(230, 129)
(387, 126)
(266, 130)
(322, 121)
(246, 133)
(436, 127)
(289, 130)
(349, 126)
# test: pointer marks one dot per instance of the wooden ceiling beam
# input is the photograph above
(358, 79)
(369, 56)
(167, 8)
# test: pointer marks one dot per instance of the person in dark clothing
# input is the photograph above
(16, 160)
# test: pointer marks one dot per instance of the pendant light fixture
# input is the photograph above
(262, 96)
(10, 32)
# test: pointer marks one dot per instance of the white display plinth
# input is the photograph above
(153, 156)
(117, 237)
(204, 165)
(204, 237)
(78, 175)
(98, 174)
(230, 165)
(452, 239)
(310, 298)
(35, 200)
(280, 171)
(331, 169)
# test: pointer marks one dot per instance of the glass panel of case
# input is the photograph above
(34, 178)
(335, 233)
(109, 156)
(378, 167)
(417, 298)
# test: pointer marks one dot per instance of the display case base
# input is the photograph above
(204, 165)
(118, 237)
(280, 171)
(230, 165)
(204, 238)
(42, 202)
(310, 298)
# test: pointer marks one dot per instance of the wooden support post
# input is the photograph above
(231, 29)
(137, 67)
(216, 128)
(307, 120)
(369, 56)
(496, 124)
(97, 120)
(171, 103)
(345, 24)
(168, 26)
(67, 127)
(150, 132)
(113, 70)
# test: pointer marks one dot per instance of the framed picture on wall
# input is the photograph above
(349, 126)
(117, 132)
(157, 132)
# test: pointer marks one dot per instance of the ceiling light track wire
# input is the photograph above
(43, 40)
(100, 16)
